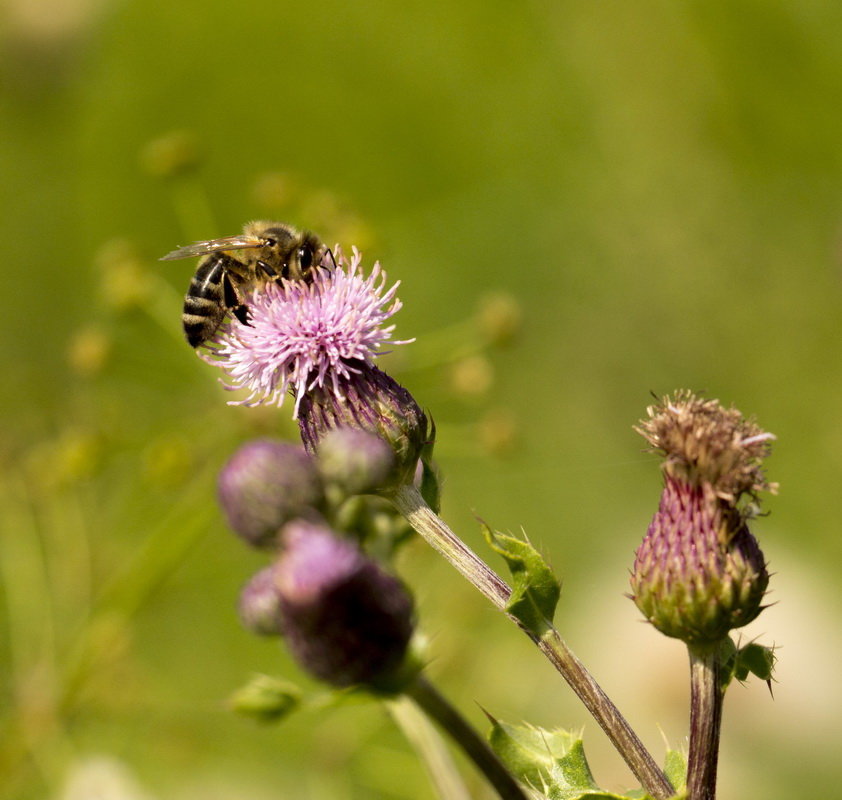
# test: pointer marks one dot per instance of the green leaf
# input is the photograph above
(728, 661)
(430, 481)
(755, 659)
(675, 767)
(552, 763)
(266, 699)
(751, 659)
(536, 590)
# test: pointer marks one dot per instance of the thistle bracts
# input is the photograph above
(699, 571)
(372, 401)
(345, 619)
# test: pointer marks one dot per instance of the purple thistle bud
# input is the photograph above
(260, 604)
(699, 572)
(372, 401)
(355, 460)
(345, 619)
(265, 484)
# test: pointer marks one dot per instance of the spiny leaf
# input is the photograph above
(675, 768)
(751, 659)
(755, 659)
(536, 590)
(552, 763)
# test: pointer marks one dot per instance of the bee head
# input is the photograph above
(290, 252)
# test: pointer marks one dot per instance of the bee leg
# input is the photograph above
(267, 270)
(241, 312)
(233, 301)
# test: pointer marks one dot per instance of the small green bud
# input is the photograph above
(499, 317)
(498, 431)
(274, 190)
(266, 699)
(126, 282)
(472, 376)
(88, 350)
(171, 155)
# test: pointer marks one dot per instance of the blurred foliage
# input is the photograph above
(653, 190)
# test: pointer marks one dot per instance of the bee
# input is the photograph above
(264, 253)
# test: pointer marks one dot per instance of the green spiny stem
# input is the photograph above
(410, 503)
(706, 700)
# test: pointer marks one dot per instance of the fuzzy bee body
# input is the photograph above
(266, 252)
(210, 296)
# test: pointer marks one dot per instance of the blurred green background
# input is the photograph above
(656, 185)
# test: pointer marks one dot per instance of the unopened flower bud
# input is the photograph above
(472, 376)
(355, 460)
(265, 484)
(345, 619)
(88, 350)
(126, 281)
(260, 604)
(173, 154)
(372, 401)
(266, 699)
(699, 572)
(499, 317)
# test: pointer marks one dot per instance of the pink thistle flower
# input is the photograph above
(307, 336)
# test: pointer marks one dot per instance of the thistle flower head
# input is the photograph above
(318, 340)
(304, 336)
(699, 571)
(704, 443)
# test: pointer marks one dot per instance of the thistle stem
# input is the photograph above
(409, 502)
(424, 520)
(706, 700)
(430, 746)
(437, 707)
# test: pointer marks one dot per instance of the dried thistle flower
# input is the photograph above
(699, 571)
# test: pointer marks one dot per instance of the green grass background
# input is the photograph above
(658, 186)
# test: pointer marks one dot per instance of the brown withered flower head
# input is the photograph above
(699, 571)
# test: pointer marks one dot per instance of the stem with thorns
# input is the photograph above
(409, 502)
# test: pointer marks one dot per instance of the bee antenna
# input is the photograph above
(329, 252)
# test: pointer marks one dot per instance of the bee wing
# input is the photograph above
(240, 242)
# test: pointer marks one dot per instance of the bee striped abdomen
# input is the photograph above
(204, 303)
(266, 252)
